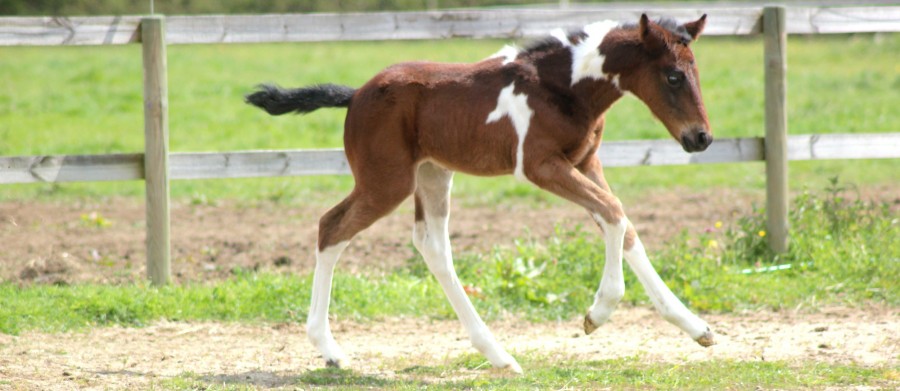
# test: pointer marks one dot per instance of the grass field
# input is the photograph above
(78, 100)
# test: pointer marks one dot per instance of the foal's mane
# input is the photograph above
(550, 42)
(576, 35)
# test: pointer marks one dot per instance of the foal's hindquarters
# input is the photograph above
(383, 181)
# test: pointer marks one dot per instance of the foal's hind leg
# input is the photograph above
(367, 203)
(431, 237)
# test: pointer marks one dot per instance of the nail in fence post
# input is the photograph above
(156, 148)
(775, 43)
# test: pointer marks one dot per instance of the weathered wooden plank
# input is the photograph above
(61, 30)
(71, 168)
(830, 20)
(496, 23)
(241, 164)
(258, 164)
(508, 24)
(668, 152)
(156, 149)
(844, 146)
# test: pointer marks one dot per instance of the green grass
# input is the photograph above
(843, 252)
(554, 373)
(80, 100)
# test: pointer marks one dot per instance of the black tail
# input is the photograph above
(276, 101)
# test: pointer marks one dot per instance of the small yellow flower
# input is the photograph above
(762, 234)
(718, 224)
(712, 244)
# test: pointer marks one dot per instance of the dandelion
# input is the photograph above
(712, 244)
(761, 234)
(718, 224)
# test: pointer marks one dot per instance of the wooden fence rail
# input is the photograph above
(156, 166)
(273, 163)
(501, 23)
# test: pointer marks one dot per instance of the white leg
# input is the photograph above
(612, 284)
(431, 237)
(317, 328)
(668, 305)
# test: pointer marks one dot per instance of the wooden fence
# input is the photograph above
(157, 166)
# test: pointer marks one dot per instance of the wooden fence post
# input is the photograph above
(156, 148)
(775, 38)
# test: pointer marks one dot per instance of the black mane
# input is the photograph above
(550, 42)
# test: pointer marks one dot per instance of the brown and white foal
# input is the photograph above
(536, 113)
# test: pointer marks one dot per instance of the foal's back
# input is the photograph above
(439, 112)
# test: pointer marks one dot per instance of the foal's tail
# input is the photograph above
(276, 100)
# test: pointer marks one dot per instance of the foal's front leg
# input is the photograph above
(586, 187)
(668, 305)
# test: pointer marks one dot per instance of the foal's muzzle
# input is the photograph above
(696, 140)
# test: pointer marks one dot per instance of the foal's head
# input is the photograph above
(654, 61)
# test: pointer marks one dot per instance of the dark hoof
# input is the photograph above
(707, 339)
(332, 364)
(589, 325)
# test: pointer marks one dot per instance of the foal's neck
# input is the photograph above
(588, 97)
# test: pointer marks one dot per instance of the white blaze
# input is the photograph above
(516, 107)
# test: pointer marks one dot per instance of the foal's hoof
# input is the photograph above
(340, 362)
(589, 325)
(514, 368)
(707, 339)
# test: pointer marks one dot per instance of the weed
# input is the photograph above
(95, 220)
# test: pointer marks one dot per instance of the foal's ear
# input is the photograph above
(696, 27)
(653, 41)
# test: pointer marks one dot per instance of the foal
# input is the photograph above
(536, 113)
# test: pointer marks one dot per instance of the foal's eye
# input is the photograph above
(675, 78)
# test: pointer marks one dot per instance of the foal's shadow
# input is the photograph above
(316, 377)
(260, 379)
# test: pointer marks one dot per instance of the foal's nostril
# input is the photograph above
(703, 139)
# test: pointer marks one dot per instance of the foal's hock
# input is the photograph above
(536, 112)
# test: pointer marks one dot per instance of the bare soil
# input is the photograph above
(274, 356)
(103, 241)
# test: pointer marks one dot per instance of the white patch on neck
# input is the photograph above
(516, 107)
(614, 80)
(587, 62)
(508, 53)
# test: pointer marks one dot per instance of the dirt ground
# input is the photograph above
(273, 356)
(103, 241)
